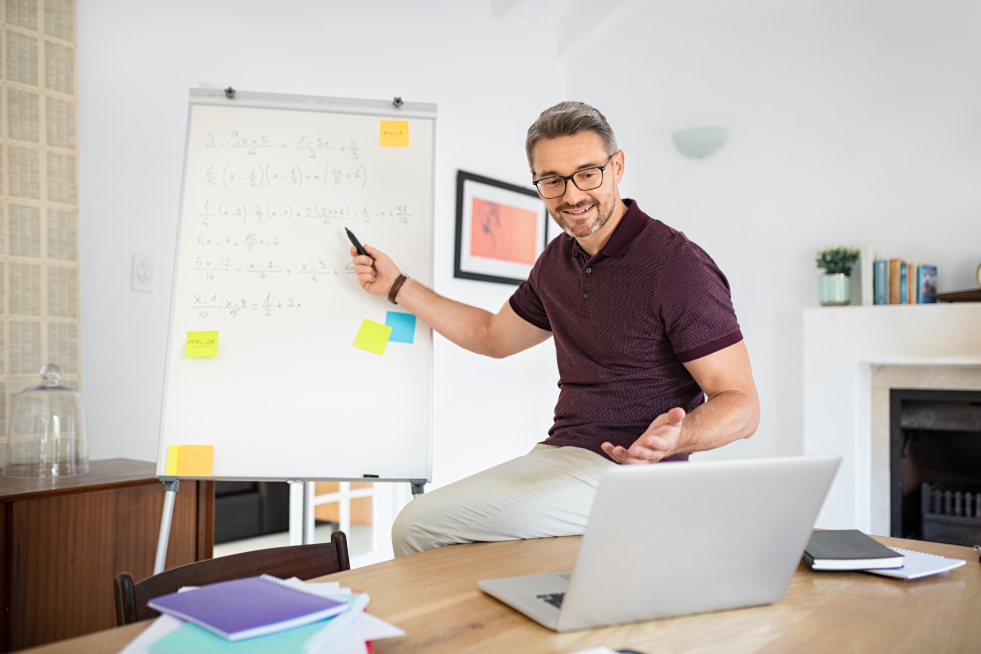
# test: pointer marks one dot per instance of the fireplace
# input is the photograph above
(935, 465)
(853, 357)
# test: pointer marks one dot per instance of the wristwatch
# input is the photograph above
(396, 287)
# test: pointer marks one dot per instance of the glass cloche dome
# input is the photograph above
(46, 435)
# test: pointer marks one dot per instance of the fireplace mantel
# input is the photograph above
(841, 345)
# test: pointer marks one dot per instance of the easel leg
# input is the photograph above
(309, 489)
(302, 521)
(297, 510)
(170, 494)
(418, 486)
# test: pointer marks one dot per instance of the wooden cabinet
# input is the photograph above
(63, 541)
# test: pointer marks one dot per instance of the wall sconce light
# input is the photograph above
(700, 142)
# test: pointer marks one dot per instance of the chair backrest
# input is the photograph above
(303, 561)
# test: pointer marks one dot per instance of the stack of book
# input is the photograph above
(850, 549)
(904, 282)
(262, 614)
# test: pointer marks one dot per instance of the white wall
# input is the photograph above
(136, 62)
(851, 122)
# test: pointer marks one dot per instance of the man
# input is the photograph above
(644, 332)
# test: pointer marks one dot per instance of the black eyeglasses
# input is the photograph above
(586, 179)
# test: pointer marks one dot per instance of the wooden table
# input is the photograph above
(62, 541)
(434, 597)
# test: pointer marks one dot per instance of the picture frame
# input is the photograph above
(501, 229)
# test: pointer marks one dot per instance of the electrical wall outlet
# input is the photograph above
(142, 277)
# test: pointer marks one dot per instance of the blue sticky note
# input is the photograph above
(403, 326)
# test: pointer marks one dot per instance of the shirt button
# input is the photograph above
(589, 270)
(585, 295)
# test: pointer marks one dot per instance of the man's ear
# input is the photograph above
(619, 161)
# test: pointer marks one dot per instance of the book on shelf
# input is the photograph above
(914, 283)
(927, 287)
(866, 273)
(903, 283)
(895, 281)
(848, 549)
(881, 284)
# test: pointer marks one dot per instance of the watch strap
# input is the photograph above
(396, 287)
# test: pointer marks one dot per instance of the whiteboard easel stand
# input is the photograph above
(301, 528)
(302, 491)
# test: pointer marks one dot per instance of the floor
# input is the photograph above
(358, 540)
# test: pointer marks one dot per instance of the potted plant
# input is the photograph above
(835, 285)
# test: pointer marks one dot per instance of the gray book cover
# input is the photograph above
(845, 544)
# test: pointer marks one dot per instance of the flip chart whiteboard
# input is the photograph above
(270, 182)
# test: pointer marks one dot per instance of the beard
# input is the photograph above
(604, 211)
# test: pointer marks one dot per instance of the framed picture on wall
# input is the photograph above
(500, 230)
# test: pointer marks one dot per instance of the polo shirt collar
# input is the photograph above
(631, 225)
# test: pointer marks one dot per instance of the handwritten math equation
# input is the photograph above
(311, 144)
(214, 267)
(248, 243)
(233, 177)
(268, 307)
(242, 212)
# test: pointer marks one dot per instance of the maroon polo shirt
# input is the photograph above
(624, 322)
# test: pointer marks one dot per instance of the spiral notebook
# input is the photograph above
(918, 564)
(250, 607)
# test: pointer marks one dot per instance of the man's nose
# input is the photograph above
(572, 193)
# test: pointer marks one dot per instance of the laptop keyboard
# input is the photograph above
(555, 599)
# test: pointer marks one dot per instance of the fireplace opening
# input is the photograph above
(935, 461)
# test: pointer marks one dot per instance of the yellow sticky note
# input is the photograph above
(394, 132)
(201, 345)
(195, 460)
(172, 456)
(373, 336)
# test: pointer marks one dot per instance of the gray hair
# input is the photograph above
(568, 119)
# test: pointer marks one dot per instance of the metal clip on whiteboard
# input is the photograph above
(230, 93)
(397, 102)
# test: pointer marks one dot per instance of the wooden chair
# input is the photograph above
(303, 561)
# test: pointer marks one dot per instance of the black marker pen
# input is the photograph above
(354, 242)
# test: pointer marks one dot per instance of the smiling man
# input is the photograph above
(652, 364)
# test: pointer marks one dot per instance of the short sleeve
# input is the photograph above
(696, 304)
(527, 304)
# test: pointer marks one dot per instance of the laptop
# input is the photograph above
(672, 539)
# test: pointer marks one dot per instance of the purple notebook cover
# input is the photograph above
(249, 607)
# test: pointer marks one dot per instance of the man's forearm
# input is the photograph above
(462, 324)
(726, 417)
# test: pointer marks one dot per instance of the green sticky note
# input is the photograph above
(373, 336)
(201, 345)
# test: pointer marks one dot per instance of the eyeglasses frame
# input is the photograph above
(568, 178)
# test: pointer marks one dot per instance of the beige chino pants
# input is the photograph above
(548, 492)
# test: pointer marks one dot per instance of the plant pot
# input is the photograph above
(834, 290)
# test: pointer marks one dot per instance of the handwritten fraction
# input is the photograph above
(268, 307)
(252, 144)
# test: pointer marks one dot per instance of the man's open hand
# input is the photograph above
(660, 440)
